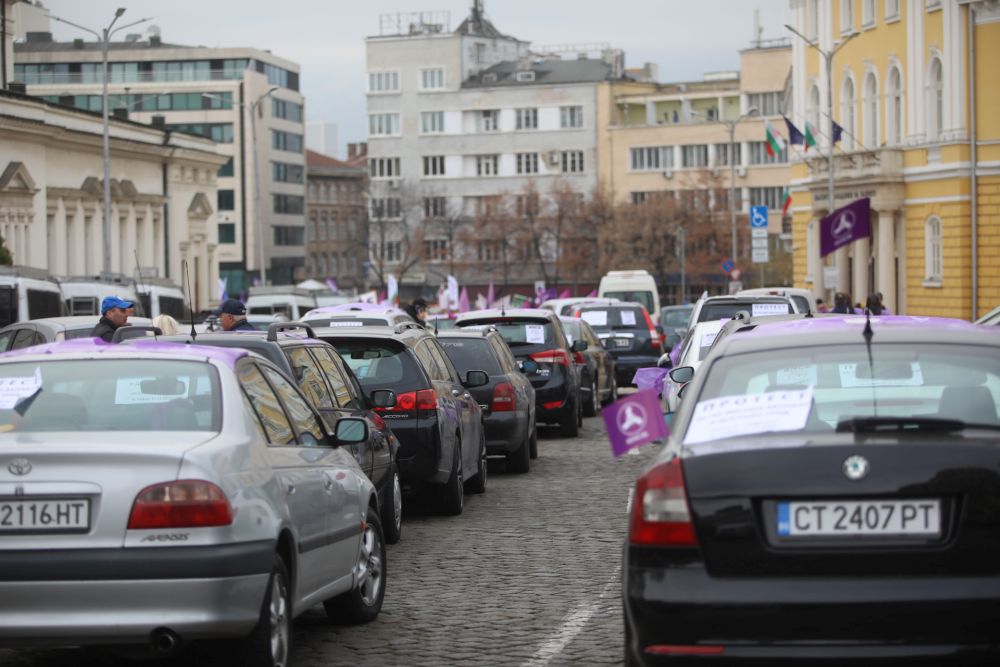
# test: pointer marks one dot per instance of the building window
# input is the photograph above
(651, 158)
(432, 122)
(383, 82)
(768, 104)
(868, 13)
(759, 154)
(846, 16)
(436, 250)
(389, 208)
(433, 165)
(694, 156)
(933, 257)
(572, 162)
(870, 118)
(226, 200)
(489, 251)
(894, 99)
(286, 141)
(383, 124)
(489, 120)
(435, 207)
(383, 167)
(227, 232)
(891, 10)
(432, 78)
(812, 19)
(286, 110)
(637, 197)
(935, 99)
(226, 169)
(288, 236)
(526, 119)
(571, 117)
(848, 113)
(812, 111)
(526, 205)
(487, 165)
(770, 197)
(289, 204)
(527, 163)
(218, 132)
(283, 172)
(390, 251)
(722, 154)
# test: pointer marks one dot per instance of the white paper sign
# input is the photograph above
(534, 333)
(346, 323)
(128, 391)
(595, 318)
(708, 338)
(849, 377)
(16, 389)
(749, 414)
(765, 309)
(804, 375)
(628, 318)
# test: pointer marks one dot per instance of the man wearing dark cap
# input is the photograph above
(233, 316)
(114, 314)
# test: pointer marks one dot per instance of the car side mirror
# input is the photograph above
(578, 346)
(664, 361)
(383, 398)
(529, 366)
(476, 379)
(682, 374)
(351, 430)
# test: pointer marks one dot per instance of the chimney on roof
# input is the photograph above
(362, 149)
(121, 113)
(154, 40)
(78, 43)
(352, 151)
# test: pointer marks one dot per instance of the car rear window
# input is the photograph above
(644, 297)
(572, 329)
(471, 354)
(519, 333)
(725, 311)
(110, 395)
(381, 364)
(676, 318)
(619, 319)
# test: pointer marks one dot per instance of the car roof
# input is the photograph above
(620, 304)
(142, 347)
(466, 333)
(747, 298)
(75, 321)
(397, 332)
(508, 313)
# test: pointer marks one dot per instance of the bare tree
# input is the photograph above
(494, 238)
(396, 233)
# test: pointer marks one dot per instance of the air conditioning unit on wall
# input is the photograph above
(553, 158)
(741, 171)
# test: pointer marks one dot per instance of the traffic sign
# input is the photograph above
(758, 217)
(757, 243)
(728, 265)
(758, 232)
(760, 256)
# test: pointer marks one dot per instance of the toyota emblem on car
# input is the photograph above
(856, 467)
(19, 467)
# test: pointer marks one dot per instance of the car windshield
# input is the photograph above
(109, 395)
(911, 381)
(724, 310)
(381, 364)
(471, 354)
(676, 317)
(643, 297)
(619, 318)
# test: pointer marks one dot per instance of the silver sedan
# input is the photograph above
(156, 494)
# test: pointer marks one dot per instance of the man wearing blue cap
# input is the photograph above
(114, 314)
(233, 316)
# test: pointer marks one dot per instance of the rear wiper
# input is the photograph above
(899, 424)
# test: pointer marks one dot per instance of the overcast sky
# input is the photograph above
(686, 38)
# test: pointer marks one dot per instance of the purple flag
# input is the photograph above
(634, 421)
(490, 297)
(592, 294)
(565, 294)
(650, 378)
(463, 301)
(332, 284)
(845, 225)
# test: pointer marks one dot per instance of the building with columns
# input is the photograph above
(916, 91)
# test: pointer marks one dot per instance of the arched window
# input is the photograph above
(933, 257)
(894, 107)
(935, 99)
(871, 117)
(812, 113)
(848, 113)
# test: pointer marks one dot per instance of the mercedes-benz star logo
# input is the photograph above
(19, 467)
(632, 418)
(856, 467)
(843, 226)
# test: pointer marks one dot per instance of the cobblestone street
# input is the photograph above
(529, 574)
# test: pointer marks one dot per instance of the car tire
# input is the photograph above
(533, 443)
(363, 603)
(452, 494)
(519, 460)
(591, 407)
(613, 392)
(392, 509)
(269, 644)
(478, 483)
(569, 425)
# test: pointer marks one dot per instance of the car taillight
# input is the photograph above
(654, 337)
(660, 513)
(427, 399)
(552, 357)
(424, 399)
(503, 398)
(186, 503)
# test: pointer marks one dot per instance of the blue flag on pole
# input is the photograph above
(794, 135)
(838, 132)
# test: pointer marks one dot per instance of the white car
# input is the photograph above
(694, 349)
(804, 299)
(990, 318)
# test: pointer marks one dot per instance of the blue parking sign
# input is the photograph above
(758, 217)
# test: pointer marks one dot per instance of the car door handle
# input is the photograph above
(456, 392)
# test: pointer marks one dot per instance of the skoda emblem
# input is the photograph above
(856, 467)
(19, 467)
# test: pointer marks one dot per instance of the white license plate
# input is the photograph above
(622, 342)
(39, 515)
(863, 517)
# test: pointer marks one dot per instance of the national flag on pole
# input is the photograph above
(490, 297)
(392, 288)
(786, 202)
(775, 144)
(809, 140)
(452, 293)
(795, 137)
(223, 282)
(838, 132)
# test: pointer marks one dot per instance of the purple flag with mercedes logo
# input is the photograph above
(634, 421)
(845, 225)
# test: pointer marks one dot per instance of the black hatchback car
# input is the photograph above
(538, 335)
(442, 447)
(628, 333)
(331, 386)
(508, 400)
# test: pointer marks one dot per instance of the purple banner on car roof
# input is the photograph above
(634, 421)
(846, 224)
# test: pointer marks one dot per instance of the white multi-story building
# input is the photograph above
(457, 117)
(209, 92)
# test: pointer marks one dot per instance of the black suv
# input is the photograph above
(334, 391)
(628, 333)
(508, 400)
(537, 336)
(442, 448)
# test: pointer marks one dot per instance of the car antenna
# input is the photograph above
(184, 267)
(138, 279)
(868, 334)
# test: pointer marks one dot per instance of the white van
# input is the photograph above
(159, 296)
(83, 294)
(27, 293)
(292, 302)
(636, 286)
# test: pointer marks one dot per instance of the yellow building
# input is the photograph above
(916, 93)
(673, 138)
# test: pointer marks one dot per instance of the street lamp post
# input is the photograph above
(251, 109)
(828, 55)
(105, 39)
(731, 158)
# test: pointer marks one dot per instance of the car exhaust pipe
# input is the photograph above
(164, 641)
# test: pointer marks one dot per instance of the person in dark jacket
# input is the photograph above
(114, 315)
(233, 316)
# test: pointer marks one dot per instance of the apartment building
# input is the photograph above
(915, 89)
(459, 118)
(337, 222)
(207, 92)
